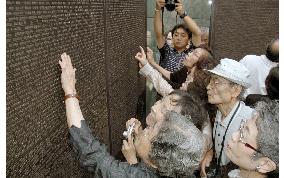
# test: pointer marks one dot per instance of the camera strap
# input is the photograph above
(224, 136)
(163, 20)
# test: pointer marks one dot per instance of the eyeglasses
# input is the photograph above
(215, 82)
(242, 137)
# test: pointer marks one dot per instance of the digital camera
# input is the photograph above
(170, 5)
(129, 130)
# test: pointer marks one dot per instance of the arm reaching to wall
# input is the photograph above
(92, 154)
(73, 111)
(160, 84)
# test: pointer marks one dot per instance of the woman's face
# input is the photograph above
(220, 90)
(168, 103)
(192, 58)
(237, 151)
(144, 138)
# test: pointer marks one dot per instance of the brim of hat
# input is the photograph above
(244, 84)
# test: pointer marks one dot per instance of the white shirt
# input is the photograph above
(259, 67)
(236, 173)
(244, 113)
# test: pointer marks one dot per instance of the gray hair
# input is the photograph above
(178, 147)
(268, 130)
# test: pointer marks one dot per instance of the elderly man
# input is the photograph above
(259, 67)
(227, 82)
(168, 135)
(172, 57)
(255, 146)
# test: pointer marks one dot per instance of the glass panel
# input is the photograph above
(198, 10)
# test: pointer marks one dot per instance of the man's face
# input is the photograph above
(236, 149)
(169, 39)
(204, 39)
(220, 90)
(143, 139)
(180, 39)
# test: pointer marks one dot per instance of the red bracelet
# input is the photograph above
(74, 95)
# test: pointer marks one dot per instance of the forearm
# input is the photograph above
(160, 84)
(164, 72)
(194, 28)
(207, 132)
(158, 29)
(73, 112)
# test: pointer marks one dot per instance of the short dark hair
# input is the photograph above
(184, 27)
(178, 147)
(207, 60)
(272, 83)
(192, 106)
(271, 53)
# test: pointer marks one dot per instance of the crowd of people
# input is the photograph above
(216, 117)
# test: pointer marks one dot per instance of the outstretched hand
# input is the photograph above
(68, 80)
(141, 57)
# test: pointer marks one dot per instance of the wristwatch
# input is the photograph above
(183, 15)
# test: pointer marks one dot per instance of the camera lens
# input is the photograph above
(170, 5)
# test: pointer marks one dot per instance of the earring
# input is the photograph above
(258, 167)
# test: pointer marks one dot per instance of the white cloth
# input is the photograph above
(236, 173)
(259, 67)
(244, 113)
(164, 89)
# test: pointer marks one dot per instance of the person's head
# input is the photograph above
(204, 36)
(201, 58)
(255, 146)
(180, 102)
(177, 147)
(227, 82)
(272, 51)
(169, 37)
(272, 83)
(180, 36)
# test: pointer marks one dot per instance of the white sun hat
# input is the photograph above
(233, 71)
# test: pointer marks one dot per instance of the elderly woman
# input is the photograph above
(227, 82)
(194, 64)
(255, 146)
(171, 145)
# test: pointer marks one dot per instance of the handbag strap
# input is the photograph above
(224, 136)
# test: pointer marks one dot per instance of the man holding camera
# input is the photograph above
(171, 57)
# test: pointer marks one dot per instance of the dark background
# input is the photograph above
(242, 27)
(102, 38)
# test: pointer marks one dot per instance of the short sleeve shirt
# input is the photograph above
(244, 113)
(171, 59)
